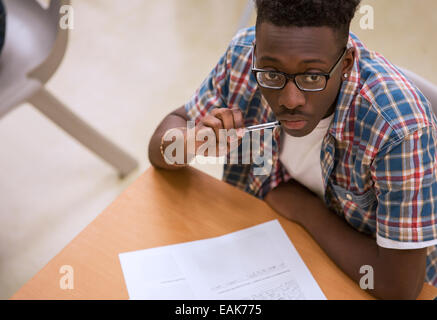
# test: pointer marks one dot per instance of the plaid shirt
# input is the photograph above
(377, 158)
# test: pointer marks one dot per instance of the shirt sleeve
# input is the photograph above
(406, 188)
(212, 92)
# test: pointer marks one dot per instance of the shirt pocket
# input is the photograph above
(363, 201)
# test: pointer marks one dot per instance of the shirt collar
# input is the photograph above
(348, 92)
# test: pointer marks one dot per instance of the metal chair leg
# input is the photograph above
(56, 111)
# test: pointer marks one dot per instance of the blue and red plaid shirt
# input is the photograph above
(378, 157)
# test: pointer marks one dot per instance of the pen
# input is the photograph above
(262, 126)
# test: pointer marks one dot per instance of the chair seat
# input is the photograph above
(29, 40)
(428, 89)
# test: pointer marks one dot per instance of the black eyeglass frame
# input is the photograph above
(289, 77)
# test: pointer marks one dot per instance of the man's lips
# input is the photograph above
(294, 122)
(294, 125)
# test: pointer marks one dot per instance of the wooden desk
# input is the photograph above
(163, 208)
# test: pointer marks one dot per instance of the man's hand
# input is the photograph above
(399, 274)
(219, 119)
(209, 126)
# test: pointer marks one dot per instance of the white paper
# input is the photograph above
(255, 263)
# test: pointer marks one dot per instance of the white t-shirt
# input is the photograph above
(301, 157)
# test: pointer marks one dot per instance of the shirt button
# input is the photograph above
(349, 196)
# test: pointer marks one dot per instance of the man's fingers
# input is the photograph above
(238, 118)
(205, 134)
(227, 118)
(214, 123)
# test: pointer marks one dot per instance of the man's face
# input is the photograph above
(297, 50)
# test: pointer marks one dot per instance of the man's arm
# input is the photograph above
(176, 119)
(398, 274)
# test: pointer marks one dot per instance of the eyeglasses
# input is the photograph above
(277, 80)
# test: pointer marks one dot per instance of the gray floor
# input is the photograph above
(128, 64)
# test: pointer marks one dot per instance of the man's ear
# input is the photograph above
(348, 61)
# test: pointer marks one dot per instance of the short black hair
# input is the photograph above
(336, 14)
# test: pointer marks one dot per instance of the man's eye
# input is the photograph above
(312, 78)
(271, 76)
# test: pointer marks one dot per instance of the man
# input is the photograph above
(354, 159)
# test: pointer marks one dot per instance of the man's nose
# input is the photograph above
(291, 96)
